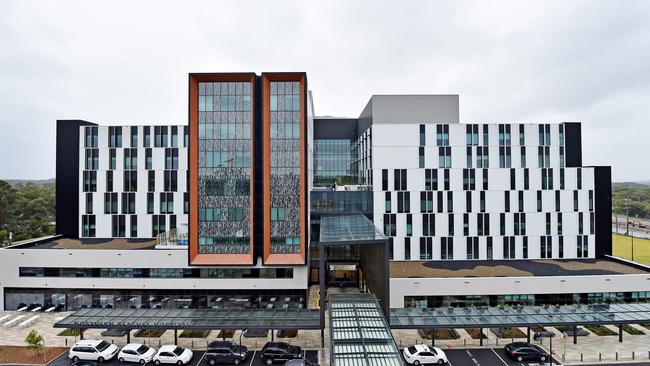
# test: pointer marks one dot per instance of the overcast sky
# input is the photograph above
(127, 62)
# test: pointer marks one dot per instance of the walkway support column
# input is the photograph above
(528, 334)
(81, 334)
(620, 333)
(480, 336)
(128, 336)
(175, 337)
(322, 271)
(575, 334)
(433, 337)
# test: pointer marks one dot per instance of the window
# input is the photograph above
(158, 225)
(390, 226)
(426, 201)
(387, 204)
(170, 180)
(400, 179)
(147, 136)
(579, 178)
(92, 159)
(109, 181)
(90, 181)
(409, 224)
(428, 225)
(560, 247)
(523, 157)
(468, 201)
(522, 136)
(485, 179)
(524, 248)
(580, 223)
(421, 157)
(559, 223)
(422, 135)
(548, 223)
(557, 201)
(89, 203)
(482, 157)
(466, 224)
(591, 200)
(118, 226)
(110, 203)
(469, 157)
(505, 158)
(384, 179)
(112, 159)
(130, 159)
(486, 140)
(150, 203)
(539, 201)
(403, 202)
(407, 248)
(186, 202)
(90, 136)
(506, 201)
(426, 248)
(134, 136)
(471, 135)
(472, 248)
(128, 203)
(166, 203)
(444, 157)
(520, 201)
(151, 180)
(504, 135)
(130, 181)
(592, 223)
(88, 226)
(114, 136)
(447, 248)
(482, 201)
(513, 179)
(509, 247)
(469, 179)
(451, 225)
(575, 201)
(171, 158)
(431, 179)
(134, 226)
(278, 214)
(442, 135)
(235, 214)
(175, 136)
(502, 224)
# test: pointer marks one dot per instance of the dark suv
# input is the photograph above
(225, 352)
(280, 352)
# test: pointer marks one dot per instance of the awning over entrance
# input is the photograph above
(301, 319)
(359, 333)
(519, 316)
(348, 229)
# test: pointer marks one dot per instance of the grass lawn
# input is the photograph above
(600, 330)
(622, 247)
(69, 332)
(631, 330)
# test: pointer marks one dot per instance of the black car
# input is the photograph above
(279, 352)
(522, 351)
(225, 352)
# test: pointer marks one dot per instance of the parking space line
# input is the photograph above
(495, 352)
(252, 358)
(201, 359)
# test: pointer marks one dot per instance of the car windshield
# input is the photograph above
(102, 346)
(178, 351)
(412, 350)
(142, 349)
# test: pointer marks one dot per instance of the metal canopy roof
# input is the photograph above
(359, 334)
(500, 316)
(301, 319)
(345, 229)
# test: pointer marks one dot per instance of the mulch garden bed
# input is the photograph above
(69, 332)
(23, 355)
(226, 334)
(631, 330)
(284, 333)
(510, 332)
(645, 325)
(257, 333)
(440, 334)
(195, 333)
(149, 333)
(474, 333)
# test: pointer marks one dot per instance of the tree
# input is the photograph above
(34, 341)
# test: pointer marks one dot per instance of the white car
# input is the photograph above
(92, 350)
(173, 354)
(136, 352)
(421, 354)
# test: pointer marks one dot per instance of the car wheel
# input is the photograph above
(157, 362)
(179, 363)
(212, 362)
(269, 362)
(519, 358)
(142, 362)
(543, 358)
(121, 360)
(237, 361)
(100, 360)
(441, 362)
(416, 363)
(75, 359)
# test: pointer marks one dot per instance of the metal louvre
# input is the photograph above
(505, 316)
(360, 335)
(301, 319)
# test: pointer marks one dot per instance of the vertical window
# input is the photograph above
(109, 181)
(387, 205)
(524, 248)
(466, 224)
(559, 223)
(451, 225)
(407, 248)
(130, 159)
(186, 136)
(447, 248)
(485, 179)
(114, 136)
(174, 136)
(130, 181)
(560, 247)
(548, 223)
(520, 201)
(186, 202)
(384, 179)
(490, 249)
(523, 157)
(580, 223)
(539, 201)
(409, 224)
(591, 200)
(150, 203)
(90, 136)
(146, 136)
(486, 140)
(118, 226)
(89, 203)
(421, 157)
(422, 135)
(575, 201)
(446, 179)
(88, 226)
(472, 248)
(526, 179)
(134, 226)
(431, 179)
(522, 136)
(579, 178)
(134, 136)
(506, 201)
(112, 159)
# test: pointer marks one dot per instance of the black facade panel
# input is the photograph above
(603, 208)
(573, 144)
(67, 176)
(335, 128)
(258, 169)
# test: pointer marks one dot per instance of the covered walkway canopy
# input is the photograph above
(359, 333)
(262, 319)
(519, 316)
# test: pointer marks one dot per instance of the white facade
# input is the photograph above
(112, 159)
(396, 150)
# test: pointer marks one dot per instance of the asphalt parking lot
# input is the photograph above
(253, 359)
(485, 357)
